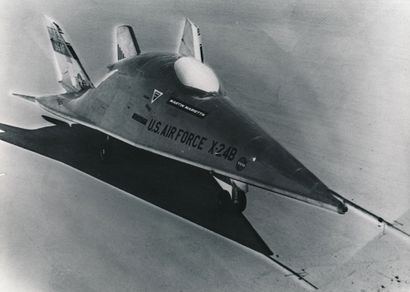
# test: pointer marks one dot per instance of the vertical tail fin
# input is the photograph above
(190, 43)
(73, 76)
(126, 42)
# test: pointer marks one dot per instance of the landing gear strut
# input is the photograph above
(105, 150)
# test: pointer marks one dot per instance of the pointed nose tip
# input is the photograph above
(267, 164)
(288, 174)
(341, 206)
(319, 190)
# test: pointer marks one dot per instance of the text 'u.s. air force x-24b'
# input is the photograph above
(173, 105)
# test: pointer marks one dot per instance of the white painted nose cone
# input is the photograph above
(195, 74)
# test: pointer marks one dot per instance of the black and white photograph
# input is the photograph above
(188, 145)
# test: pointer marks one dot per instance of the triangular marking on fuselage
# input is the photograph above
(155, 95)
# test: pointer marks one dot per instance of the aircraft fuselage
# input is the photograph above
(145, 103)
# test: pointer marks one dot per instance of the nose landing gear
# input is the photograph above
(232, 194)
(239, 199)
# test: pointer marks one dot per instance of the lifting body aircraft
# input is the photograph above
(173, 104)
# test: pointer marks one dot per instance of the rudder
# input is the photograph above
(73, 76)
(126, 42)
(190, 43)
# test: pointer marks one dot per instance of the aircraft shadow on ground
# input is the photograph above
(182, 189)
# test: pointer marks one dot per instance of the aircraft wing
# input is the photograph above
(26, 97)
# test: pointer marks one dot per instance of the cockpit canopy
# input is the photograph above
(195, 75)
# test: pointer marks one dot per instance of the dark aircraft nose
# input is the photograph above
(284, 172)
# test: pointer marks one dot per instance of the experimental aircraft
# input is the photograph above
(173, 104)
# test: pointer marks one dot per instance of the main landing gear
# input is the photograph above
(232, 194)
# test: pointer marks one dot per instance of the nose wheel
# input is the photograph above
(239, 200)
(232, 194)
